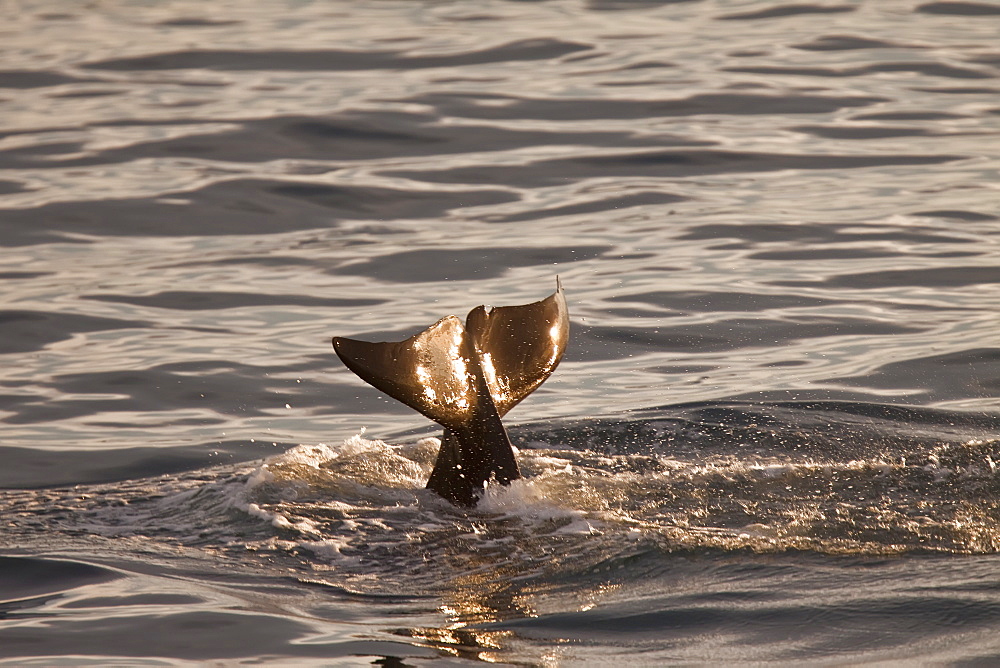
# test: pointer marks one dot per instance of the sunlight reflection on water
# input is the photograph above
(747, 203)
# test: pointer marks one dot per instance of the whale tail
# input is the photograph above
(465, 378)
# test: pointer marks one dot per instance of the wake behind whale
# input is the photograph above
(465, 378)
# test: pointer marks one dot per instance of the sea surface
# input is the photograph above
(774, 438)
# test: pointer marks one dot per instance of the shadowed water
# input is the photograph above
(773, 438)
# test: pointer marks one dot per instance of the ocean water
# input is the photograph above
(774, 437)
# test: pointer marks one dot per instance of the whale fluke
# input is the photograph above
(465, 377)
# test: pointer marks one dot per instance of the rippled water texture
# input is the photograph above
(774, 436)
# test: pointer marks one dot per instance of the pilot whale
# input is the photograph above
(466, 377)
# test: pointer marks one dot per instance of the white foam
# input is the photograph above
(329, 549)
(260, 476)
(523, 498)
(309, 456)
(279, 521)
(313, 456)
